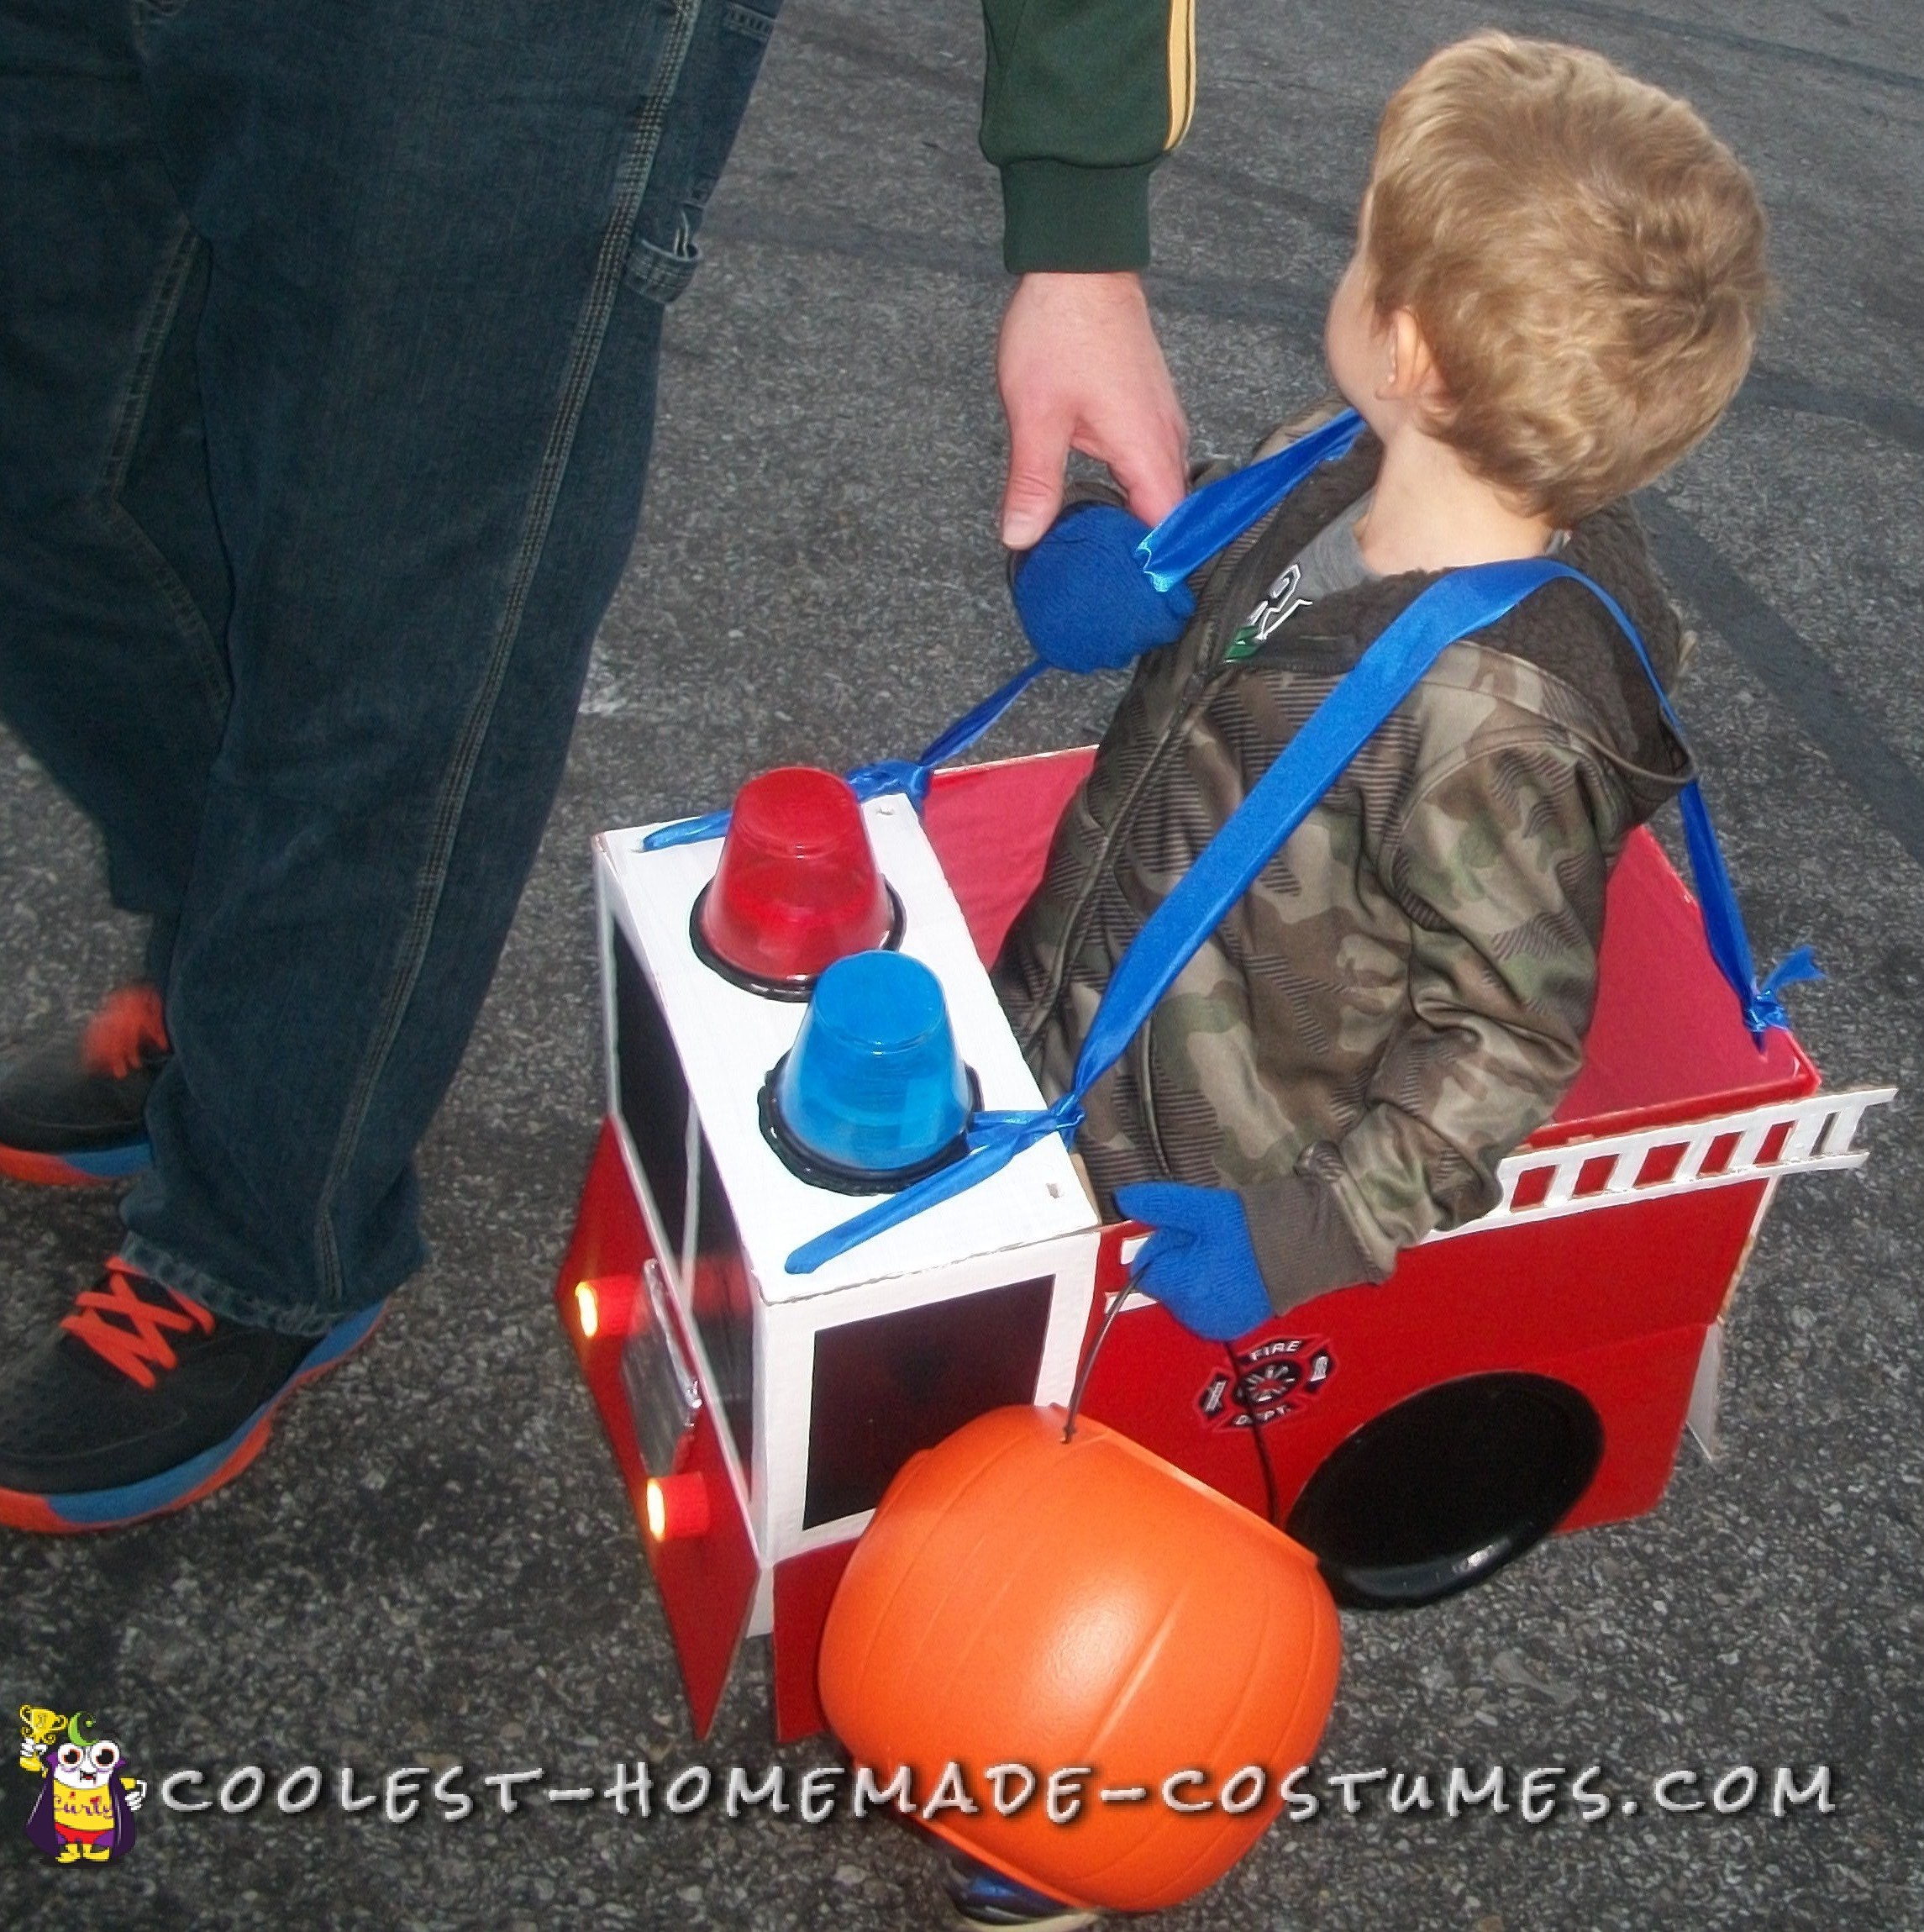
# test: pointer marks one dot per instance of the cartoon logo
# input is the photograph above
(1273, 1379)
(86, 1802)
(1283, 600)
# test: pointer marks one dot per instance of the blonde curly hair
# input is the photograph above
(1585, 258)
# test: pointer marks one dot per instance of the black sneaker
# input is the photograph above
(71, 1111)
(982, 1896)
(143, 1402)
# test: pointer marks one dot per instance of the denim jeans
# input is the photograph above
(326, 386)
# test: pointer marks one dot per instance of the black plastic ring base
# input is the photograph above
(818, 1172)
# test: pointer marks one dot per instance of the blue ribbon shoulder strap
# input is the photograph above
(1464, 602)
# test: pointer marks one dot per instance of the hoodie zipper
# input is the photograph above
(1197, 689)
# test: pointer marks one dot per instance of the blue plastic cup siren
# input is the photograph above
(874, 1083)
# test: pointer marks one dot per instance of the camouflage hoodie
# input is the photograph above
(1403, 993)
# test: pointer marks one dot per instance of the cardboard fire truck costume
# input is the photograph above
(763, 1373)
(1533, 1369)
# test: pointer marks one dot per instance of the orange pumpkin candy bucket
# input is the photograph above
(1020, 1599)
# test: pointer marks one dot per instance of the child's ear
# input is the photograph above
(1413, 377)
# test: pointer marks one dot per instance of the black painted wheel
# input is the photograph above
(1439, 1492)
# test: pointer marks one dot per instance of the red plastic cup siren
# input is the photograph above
(797, 886)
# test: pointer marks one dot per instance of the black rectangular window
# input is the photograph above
(724, 1304)
(896, 1384)
(653, 1090)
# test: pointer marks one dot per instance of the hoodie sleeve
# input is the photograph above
(1505, 861)
(1080, 99)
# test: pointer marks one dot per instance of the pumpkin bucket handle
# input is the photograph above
(1082, 1375)
(1089, 1362)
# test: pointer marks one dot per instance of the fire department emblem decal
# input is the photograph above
(1273, 1379)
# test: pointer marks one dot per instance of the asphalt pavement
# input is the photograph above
(433, 1563)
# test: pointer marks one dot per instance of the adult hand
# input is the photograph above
(1080, 368)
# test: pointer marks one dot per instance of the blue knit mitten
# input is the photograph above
(1198, 1261)
(1083, 598)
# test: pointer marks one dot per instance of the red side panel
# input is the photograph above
(1614, 1302)
(707, 1583)
(991, 826)
(804, 1587)
(1642, 1389)
(1667, 1042)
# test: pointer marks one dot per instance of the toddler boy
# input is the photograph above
(1557, 282)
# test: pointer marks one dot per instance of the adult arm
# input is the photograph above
(1080, 101)
(1081, 98)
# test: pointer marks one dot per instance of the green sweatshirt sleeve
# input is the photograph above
(1080, 101)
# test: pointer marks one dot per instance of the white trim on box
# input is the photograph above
(1821, 1129)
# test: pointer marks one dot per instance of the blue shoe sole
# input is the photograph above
(93, 1168)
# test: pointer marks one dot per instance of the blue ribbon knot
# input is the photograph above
(1764, 1010)
(995, 1137)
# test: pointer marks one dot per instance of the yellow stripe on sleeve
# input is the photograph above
(1181, 70)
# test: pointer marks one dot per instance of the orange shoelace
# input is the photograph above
(131, 1333)
(117, 1038)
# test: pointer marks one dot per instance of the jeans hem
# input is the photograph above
(229, 1303)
